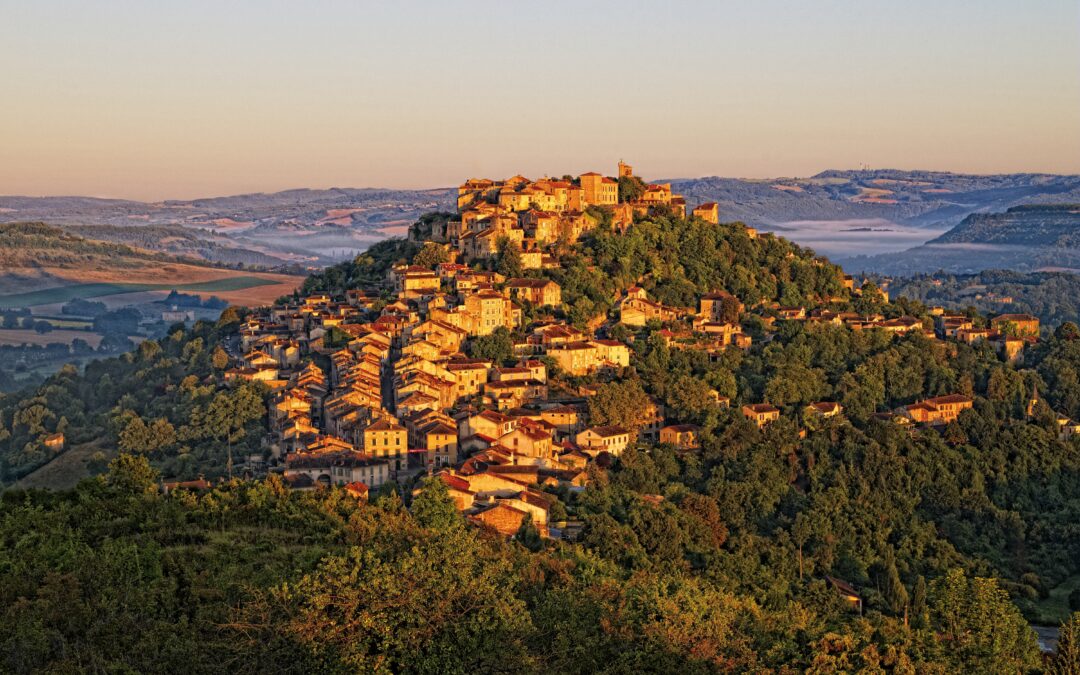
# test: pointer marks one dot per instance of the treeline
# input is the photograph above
(177, 240)
(54, 245)
(39, 244)
(368, 270)
(193, 300)
(254, 578)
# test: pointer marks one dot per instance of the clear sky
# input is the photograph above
(146, 99)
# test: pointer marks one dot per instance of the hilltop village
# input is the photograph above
(574, 426)
(449, 368)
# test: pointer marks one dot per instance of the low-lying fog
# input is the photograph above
(844, 238)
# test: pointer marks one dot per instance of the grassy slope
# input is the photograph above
(64, 471)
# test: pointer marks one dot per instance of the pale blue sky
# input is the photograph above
(152, 100)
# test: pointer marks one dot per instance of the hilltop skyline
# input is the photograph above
(149, 103)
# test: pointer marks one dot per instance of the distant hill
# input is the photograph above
(918, 198)
(316, 227)
(177, 240)
(1024, 238)
(303, 226)
(1050, 225)
(43, 265)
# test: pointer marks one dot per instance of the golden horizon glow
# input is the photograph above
(128, 100)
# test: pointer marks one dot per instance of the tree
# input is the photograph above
(1067, 659)
(893, 589)
(220, 359)
(984, 630)
(508, 258)
(919, 610)
(430, 255)
(1067, 331)
(528, 536)
(138, 437)
(729, 309)
(42, 327)
(230, 316)
(631, 188)
(81, 347)
(229, 413)
(498, 347)
(707, 511)
(450, 590)
(795, 383)
(434, 508)
(954, 434)
(135, 437)
(115, 342)
(624, 404)
(689, 397)
(132, 475)
(336, 337)
(163, 433)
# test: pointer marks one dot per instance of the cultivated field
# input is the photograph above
(55, 286)
(22, 336)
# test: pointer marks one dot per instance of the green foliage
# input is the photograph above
(1050, 296)
(985, 632)
(139, 437)
(367, 270)
(498, 347)
(434, 508)
(336, 338)
(622, 404)
(508, 258)
(676, 260)
(219, 359)
(528, 536)
(631, 188)
(165, 400)
(430, 255)
(132, 475)
(1067, 659)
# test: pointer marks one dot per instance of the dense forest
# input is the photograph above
(674, 259)
(724, 558)
(253, 578)
(166, 399)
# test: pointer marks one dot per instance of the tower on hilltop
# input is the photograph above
(625, 170)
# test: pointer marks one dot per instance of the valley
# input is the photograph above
(1026, 238)
(68, 298)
